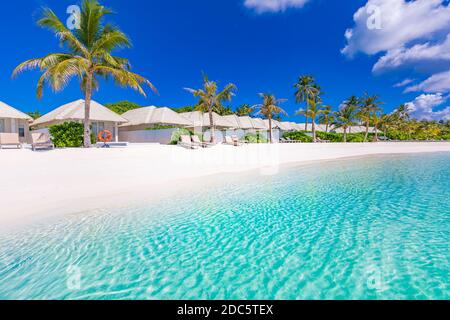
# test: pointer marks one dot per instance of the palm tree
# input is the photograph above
(369, 105)
(270, 109)
(346, 116)
(326, 117)
(88, 57)
(401, 114)
(386, 121)
(209, 99)
(376, 122)
(244, 110)
(314, 110)
(307, 90)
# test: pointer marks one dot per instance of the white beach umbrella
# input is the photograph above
(254, 123)
(276, 125)
(200, 119)
(235, 120)
(260, 123)
(74, 111)
(8, 112)
(153, 115)
(319, 127)
(288, 126)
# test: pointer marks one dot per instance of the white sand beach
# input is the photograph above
(37, 184)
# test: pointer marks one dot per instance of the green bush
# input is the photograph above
(122, 106)
(330, 136)
(446, 137)
(255, 138)
(298, 136)
(69, 135)
(397, 135)
(160, 127)
(183, 132)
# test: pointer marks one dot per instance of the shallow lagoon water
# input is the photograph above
(369, 228)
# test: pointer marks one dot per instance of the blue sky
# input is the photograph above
(260, 45)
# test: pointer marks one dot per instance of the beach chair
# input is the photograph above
(230, 141)
(196, 140)
(322, 141)
(294, 141)
(186, 142)
(41, 141)
(10, 139)
(236, 141)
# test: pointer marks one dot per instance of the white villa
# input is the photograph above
(101, 117)
(142, 125)
(15, 121)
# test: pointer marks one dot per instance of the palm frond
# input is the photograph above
(227, 93)
(92, 14)
(109, 40)
(41, 63)
(125, 78)
(59, 75)
(50, 20)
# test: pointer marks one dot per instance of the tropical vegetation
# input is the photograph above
(122, 106)
(255, 138)
(307, 90)
(68, 135)
(210, 98)
(270, 108)
(88, 57)
(176, 135)
(346, 117)
(312, 112)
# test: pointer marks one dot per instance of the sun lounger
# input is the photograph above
(232, 142)
(41, 141)
(186, 142)
(236, 141)
(10, 139)
(228, 141)
(322, 141)
(196, 140)
(289, 140)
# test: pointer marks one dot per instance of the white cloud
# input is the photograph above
(423, 107)
(401, 22)
(418, 53)
(409, 33)
(262, 6)
(404, 83)
(439, 82)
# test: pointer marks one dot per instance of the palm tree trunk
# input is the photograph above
(345, 134)
(376, 133)
(367, 132)
(306, 123)
(270, 130)
(87, 110)
(211, 124)
(326, 128)
(314, 131)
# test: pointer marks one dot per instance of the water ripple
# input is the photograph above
(374, 228)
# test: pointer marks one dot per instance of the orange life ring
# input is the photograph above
(105, 136)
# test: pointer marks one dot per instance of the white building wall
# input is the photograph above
(162, 136)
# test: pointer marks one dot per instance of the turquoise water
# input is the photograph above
(373, 228)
